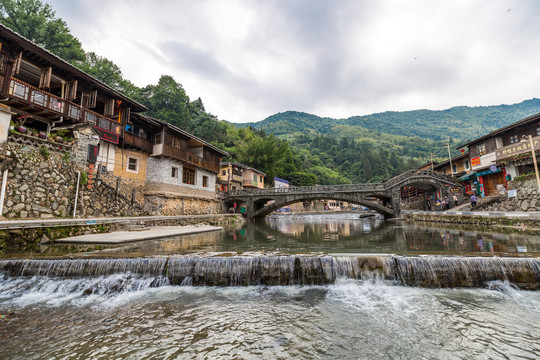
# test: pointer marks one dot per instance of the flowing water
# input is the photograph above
(293, 288)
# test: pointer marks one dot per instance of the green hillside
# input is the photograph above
(460, 122)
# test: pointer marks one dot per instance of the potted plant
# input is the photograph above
(22, 119)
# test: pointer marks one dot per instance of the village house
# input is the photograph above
(502, 155)
(166, 169)
(236, 176)
(42, 93)
(181, 172)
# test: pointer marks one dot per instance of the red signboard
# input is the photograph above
(475, 161)
(107, 135)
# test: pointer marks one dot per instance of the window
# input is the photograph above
(481, 149)
(467, 165)
(260, 179)
(158, 139)
(174, 172)
(132, 165)
(130, 128)
(538, 131)
(103, 123)
(205, 181)
(454, 168)
(514, 139)
(188, 176)
(224, 172)
(444, 171)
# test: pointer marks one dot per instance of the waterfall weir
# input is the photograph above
(425, 271)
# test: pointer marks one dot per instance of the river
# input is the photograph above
(139, 314)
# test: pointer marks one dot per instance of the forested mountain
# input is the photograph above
(460, 123)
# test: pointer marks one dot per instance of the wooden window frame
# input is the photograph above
(482, 149)
(174, 172)
(137, 164)
(205, 181)
(188, 176)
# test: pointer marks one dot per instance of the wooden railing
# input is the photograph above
(189, 158)
(250, 183)
(35, 96)
(137, 141)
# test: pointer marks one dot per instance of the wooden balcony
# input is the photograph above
(250, 183)
(138, 142)
(185, 157)
(51, 106)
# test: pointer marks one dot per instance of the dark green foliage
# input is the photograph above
(459, 123)
(109, 73)
(301, 178)
(37, 22)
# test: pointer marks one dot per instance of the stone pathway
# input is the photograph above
(119, 237)
(38, 223)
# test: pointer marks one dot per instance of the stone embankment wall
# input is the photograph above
(166, 199)
(33, 239)
(527, 199)
(42, 179)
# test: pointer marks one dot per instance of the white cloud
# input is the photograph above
(250, 59)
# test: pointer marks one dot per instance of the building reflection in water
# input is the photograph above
(339, 234)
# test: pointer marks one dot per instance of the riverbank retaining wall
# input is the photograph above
(30, 238)
(527, 198)
(42, 181)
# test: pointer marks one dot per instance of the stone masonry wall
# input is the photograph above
(40, 182)
(162, 205)
(527, 199)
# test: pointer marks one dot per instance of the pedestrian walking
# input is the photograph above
(473, 201)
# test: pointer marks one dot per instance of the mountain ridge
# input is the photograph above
(458, 122)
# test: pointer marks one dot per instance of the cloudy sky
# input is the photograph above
(250, 59)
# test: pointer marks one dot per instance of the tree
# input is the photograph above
(107, 72)
(37, 22)
(168, 101)
(266, 154)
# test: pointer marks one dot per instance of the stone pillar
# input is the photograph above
(250, 209)
(396, 202)
(5, 119)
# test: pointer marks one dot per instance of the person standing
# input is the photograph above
(455, 200)
(428, 205)
(473, 201)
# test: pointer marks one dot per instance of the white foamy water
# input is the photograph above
(129, 317)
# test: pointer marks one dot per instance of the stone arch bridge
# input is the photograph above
(383, 197)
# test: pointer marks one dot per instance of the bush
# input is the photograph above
(524, 177)
(44, 152)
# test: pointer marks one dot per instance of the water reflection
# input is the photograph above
(326, 234)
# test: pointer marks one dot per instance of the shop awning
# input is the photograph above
(487, 172)
(468, 176)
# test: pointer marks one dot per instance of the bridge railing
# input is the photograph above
(309, 189)
(374, 187)
(414, 173)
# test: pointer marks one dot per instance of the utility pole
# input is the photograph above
(533, 157)
(449, 158)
